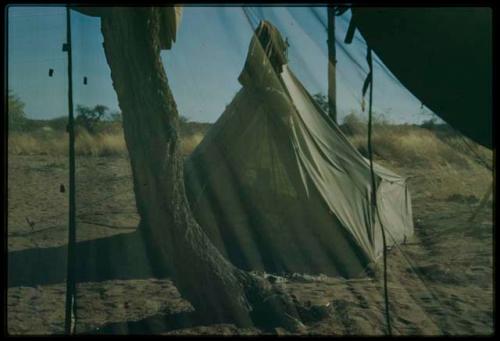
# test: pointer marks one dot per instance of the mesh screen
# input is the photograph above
(214, 192)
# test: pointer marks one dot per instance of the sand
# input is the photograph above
(440, 282)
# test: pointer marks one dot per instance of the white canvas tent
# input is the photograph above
(279, 188)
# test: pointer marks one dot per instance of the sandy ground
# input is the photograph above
(440, 282)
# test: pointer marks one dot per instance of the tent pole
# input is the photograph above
(374, 188)
(70, 311)
(332, 61)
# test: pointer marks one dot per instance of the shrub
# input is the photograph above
(353, 125)
(90, 118)
(322, 101)
(16, 116)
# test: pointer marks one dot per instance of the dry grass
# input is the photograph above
(411, 146)
(189, 143)
(35, 144)
(403, 145)
(414, 146)
(441, 160)
(101, 144)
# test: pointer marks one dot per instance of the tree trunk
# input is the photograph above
(218, 291)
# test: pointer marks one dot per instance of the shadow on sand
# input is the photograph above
(96, 261)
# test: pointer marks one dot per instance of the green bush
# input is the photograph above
(16, 116)
(354, 125)
(90, 118)
(322, 101)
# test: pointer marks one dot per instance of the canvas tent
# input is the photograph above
(279, 188)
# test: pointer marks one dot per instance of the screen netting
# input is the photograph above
(216, 194)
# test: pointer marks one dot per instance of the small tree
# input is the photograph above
(116, 117)
(354, 125)
(90, 118)
(16, 115)
(322, 101)
(429, 124)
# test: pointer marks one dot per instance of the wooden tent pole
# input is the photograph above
(332, 61)
(70, 311)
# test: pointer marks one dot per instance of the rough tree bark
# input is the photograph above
(218, 291)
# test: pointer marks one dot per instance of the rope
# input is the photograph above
(374, 190)
(417, 273)
(483, 202)
(405, 257)
(479, 158)
(374, 198)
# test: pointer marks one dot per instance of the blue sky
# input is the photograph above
(202, 67)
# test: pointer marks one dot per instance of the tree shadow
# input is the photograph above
(119, 257)
(122, 256)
